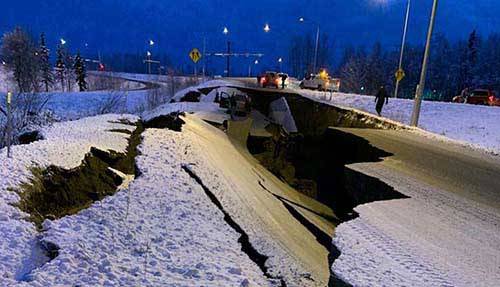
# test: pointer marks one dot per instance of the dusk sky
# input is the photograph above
(178, 26)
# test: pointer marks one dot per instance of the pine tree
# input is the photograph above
(45, 69)
(60, 65)
(80, 72)
(468, 60)
(69, 63)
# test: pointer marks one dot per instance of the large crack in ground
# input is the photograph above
(244, 240)
(55, 192)
(324, 161)
(315, 162)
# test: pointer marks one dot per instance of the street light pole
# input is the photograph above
(228, 64)
(316, 51)
(151, 44)
(149, 62)
(316, 47)
(403, 43)
(420, 90)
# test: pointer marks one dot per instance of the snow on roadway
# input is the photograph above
(434, 238)
(294, 252)
(476, 126)
(65, 145)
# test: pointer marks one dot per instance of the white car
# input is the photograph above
(320, 82)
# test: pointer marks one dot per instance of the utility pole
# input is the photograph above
(403, 43)
(420, 90)
(149, 61)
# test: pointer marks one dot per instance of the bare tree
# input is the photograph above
(28, 112)
(157, 97)
(116, 102)
(354, 74)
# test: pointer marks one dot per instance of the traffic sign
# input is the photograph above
(400, 74)
(195, 55)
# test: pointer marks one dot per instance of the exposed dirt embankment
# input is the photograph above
(55, 192)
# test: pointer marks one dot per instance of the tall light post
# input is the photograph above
(280, 61)
(316, 47)
(148, 54)
(256, 62)
(225, 31)
(420, 89)
(403, 43)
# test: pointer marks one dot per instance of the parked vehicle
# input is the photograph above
(478, 97)
(270, 79)
(321, 82)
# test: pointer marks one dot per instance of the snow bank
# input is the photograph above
(65, 145)
(476, 126)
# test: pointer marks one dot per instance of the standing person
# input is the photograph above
(283, 80)
(381, 98)
(465, 94)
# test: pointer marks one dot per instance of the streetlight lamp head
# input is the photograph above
(280, 60)
(151, 42)
(301, 19)
(256, 62)
(148, 54)
(225, 31)
(267, 28)
(63, 42)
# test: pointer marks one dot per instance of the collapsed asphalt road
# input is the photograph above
(463, 171)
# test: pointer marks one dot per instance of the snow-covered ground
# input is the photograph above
(65, 145)
(476, 126)
(162, 231)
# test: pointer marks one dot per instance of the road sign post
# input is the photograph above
(403, 42)
(195, 56)
(400, 74)
(9, 122)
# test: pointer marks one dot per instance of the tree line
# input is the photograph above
(454, 66)
(29, 61)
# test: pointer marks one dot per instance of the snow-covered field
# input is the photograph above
(65, 145)
(477, 126)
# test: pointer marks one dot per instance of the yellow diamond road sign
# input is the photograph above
(400, 74)
(195, 55)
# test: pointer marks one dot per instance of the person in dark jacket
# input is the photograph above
(381, 98)
(283, 80)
